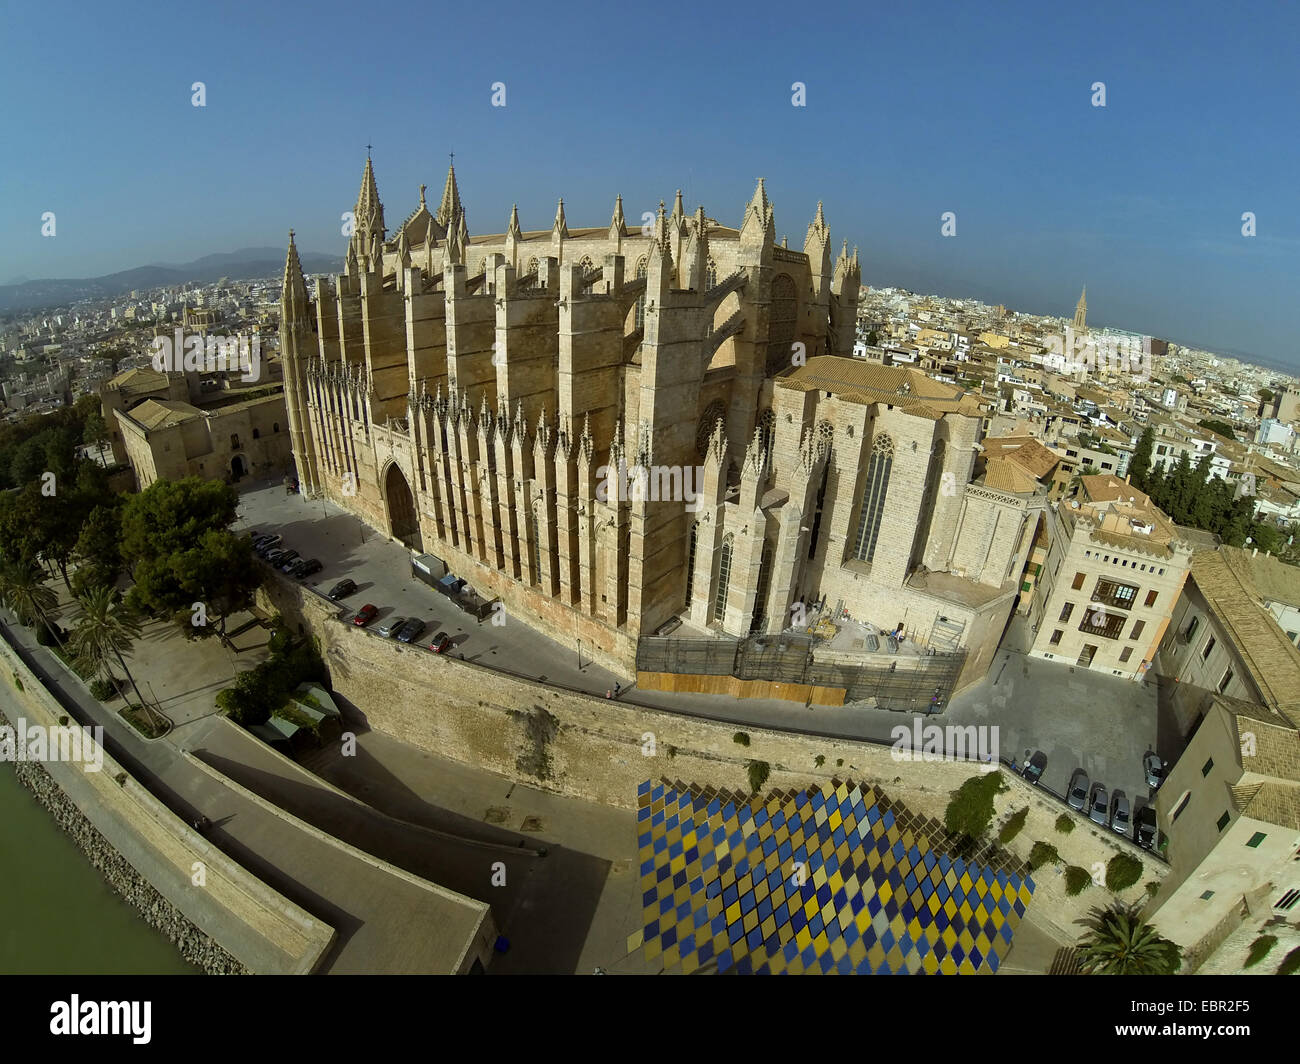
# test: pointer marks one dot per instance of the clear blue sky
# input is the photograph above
(983, 110)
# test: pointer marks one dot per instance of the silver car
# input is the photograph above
(1120, 822)
(389, 628)
(1155, 770)
(1077, 796)
(1099, 808)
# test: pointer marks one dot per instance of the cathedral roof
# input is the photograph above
(864, 382)
(139, 379)
(164, 413)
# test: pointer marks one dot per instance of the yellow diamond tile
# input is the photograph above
(653, 948)
(839, 948)
(885, 892)
(949, 937)
(672, 955)
(930, 964)
(803, 938)
(948, 966)
(857, 953)
(733, 912)
(965, 882)
(966, 911)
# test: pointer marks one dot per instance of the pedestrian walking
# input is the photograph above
(617, 688)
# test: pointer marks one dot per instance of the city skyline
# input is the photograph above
(1049, 191)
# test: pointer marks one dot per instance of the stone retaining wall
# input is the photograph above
(231, 922)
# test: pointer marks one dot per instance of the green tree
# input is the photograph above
(98, 549)
(1139, 467)
(23, 590)
(1221, 427)
(105, 632)
(1119, 942)
(176, 535)
(970, 811)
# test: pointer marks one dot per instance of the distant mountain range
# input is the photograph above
(245, 264)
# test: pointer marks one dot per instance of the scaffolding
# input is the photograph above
(907, 684)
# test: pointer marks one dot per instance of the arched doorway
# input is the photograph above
(403, 523)
(238, 470)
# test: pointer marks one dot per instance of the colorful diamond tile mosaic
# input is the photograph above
(820, 881)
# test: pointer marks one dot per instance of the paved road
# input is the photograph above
(372, 910)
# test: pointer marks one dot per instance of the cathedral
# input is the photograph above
(470, 396)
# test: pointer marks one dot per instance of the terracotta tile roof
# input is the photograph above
(1025, 451)
(161, 413)
(1227, 582)
(1005, 474)
(140, 379)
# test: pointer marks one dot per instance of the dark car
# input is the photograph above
(307, 567)
(343, 589)
(411, 630)
(1035, 767)
(365, 615)
(1146, 826)
(287, 561)
(440, 643)
(1077, 796)
(267, 544)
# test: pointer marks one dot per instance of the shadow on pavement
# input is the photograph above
(545, 907)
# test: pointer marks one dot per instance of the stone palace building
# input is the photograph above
(470, 395)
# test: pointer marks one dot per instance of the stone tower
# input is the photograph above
(297, 346)
(1081, 312)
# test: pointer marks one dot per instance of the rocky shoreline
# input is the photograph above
(194, 946)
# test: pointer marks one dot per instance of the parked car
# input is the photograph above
(390, 627)
(1155, 770)
(287, 561)
(265, 539)
(307, 567)
(411, 630)
(343, 589)
(365, 615)
(441, 642)
(266, 544)
(1146, 827)
(273, 557)
(1035, 767)
(1098, 808)
(1120, 822)
(1078, 793)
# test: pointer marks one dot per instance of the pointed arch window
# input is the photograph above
(767, 435)
(690, 562)
(764, 582)
(586, 266)
(724, 578)
(640, 300)
(873, 498)
(711, 276)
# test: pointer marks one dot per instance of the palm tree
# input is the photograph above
(1120, 942)
(1088, 470)
(23, 590)
(106, 630)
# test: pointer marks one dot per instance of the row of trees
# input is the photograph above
(171, 546)
(1189, 495)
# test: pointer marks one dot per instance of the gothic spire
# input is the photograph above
(618, 224)
(450, 205)
(514, 229)
(295, 286)
(560, 228)
(679, 212)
